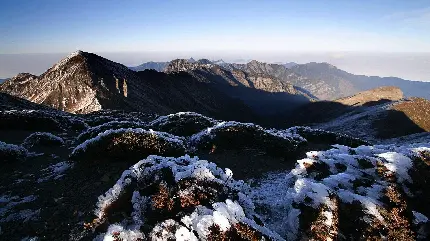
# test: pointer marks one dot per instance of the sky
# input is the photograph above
(50, 26)
(230, 28)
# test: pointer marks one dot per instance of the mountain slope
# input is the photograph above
(84, 82)
(343, 84)
(374, 115)
(264, 93)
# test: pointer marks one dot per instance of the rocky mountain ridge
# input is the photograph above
(325, 81)
(84, 82)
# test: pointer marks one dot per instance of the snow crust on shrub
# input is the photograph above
(419, 217)
(279, 194)
(55, 171)
(224, 214)
(10, 152)
(339, 138)
(111, 125)
(163, 120)
(42, 137)
(93, 141)
(42, 120)
(9, 212)
(211, 132)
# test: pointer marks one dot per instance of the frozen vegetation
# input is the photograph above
(42, 138)
(329, 182)
(183, 198)
(181, 186)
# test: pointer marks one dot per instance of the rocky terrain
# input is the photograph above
(115, 175)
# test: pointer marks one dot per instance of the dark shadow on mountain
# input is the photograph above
(395, 123)
(315, 112)
(306, 92)
(183, 92)
(388, 123)
(379, 102)
(260, 103)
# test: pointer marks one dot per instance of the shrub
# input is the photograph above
(182, 123)
(11, 153)
(178, 198)
(42, 138)
(235, 135)
(131, 144)
(327, 137)
(112, 125)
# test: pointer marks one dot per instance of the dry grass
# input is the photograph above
(418, 111)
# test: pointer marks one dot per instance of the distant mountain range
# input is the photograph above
(84, 82)
(320, 80)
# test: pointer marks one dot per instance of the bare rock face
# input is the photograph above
(77, 84)
(385, 93)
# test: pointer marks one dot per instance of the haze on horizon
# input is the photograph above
(383, 37)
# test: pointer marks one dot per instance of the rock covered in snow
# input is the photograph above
(178, 198)
(130, 144)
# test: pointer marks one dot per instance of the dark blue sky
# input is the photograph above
(29, 26)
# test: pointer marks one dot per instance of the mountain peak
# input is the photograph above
(68, 58)
(77, 52)
(254, 62)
